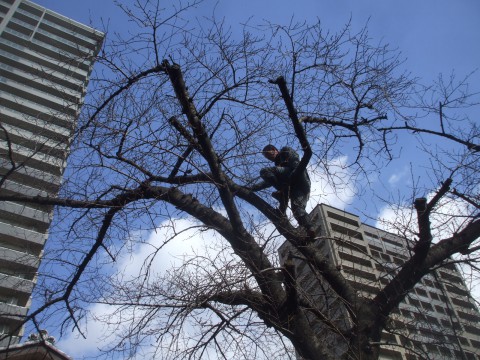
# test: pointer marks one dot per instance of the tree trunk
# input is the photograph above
(366, 334)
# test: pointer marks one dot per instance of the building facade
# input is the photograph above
(437, 320)
(45, 63)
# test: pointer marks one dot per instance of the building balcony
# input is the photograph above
(19, 259)
(21, 239)
(16, 284)
(13, 312)
(40, 127)
(31, 177)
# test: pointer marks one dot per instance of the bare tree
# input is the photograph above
(173, 128)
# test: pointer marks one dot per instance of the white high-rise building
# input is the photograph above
(437, 320)
(45, 63)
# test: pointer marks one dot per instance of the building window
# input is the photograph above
(4, 329)
(345, 231)
(392, 242)
(421, 292)
(342, 219)
(10, 300)
(355, 259)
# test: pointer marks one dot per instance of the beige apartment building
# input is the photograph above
(437, 320)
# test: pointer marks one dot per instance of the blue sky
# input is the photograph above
(435, 36)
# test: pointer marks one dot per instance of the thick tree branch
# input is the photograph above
(297, 126)
(290, 276)
(193, 144)
(424, 211)
(458, 243)
(208, 152)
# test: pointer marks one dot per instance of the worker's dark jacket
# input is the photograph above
(289, 160)
(278, 176)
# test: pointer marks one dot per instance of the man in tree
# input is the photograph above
(296, 189)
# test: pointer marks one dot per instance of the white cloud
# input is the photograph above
(164, 248)
(77, 346)
(395, 178)
(334, 190)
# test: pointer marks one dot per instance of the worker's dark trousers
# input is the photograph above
(278, 177)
